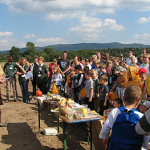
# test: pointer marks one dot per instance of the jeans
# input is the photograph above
(24, 89)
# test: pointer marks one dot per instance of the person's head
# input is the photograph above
(103, 79)
(120, 70)
(106, 56)
(56, 70)
(146, 58)
(85, 69)
(9, 59)
(35, 59)
(109, 64)
(98, 55)
(94, 57)
(97, 63)
(142, 73)
(121, 56)
(80, 58)
(123, 64)
(132, 96)
(144, 50)
(64, 55)
(72, 71)
(117, 103)
(78, 69)
(145, 106)
(133, 59)
(76, 60)
(88, 75)
(102, 68)
(115, 61)
(130, 54)
(40, 60)
(54, 62)
(94, 74)
(140, 60)
(22, 61)
(87, 61)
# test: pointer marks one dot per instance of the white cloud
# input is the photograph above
(143, 20)
(29, 36)
(90, 27)
(50, 41)
(140, 38)
(6, 44)
(5, 34)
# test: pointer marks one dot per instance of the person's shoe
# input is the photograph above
(24, 101)
(3, 124)
(28, 102)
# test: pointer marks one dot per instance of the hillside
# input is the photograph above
(79, 46)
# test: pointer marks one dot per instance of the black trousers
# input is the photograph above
(34, 83)
(43, 87)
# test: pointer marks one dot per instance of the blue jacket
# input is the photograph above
(124, 136)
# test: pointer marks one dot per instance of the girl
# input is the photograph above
(57, 78)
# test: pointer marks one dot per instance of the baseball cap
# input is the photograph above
(119, 69)
(147, 104)
(141, 70)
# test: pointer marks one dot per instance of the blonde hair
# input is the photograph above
(41, 58)
(94, 56)
(97, 61)
(104, 77)
(108, 63)
(102, 66)
(55, 60)
(57, 69)
(94, 71)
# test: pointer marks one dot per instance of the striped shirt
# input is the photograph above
(143, 126)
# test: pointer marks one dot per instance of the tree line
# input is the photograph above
(49, 53)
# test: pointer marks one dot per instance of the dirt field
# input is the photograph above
(22, 131)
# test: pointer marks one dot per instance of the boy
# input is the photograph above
(103, 93)
(96, 85)
(117, 103)
(122, 122)
(145, 106)
(89, 90)
(97, 64)
(102, 68)
(78, 82)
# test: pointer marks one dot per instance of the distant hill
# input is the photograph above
(68, 47)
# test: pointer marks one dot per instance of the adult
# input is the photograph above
(22, 71)
(145, 63)
(34, 68)
(143, 126)
(10, 71)
(42, 76)
(76, 61)
(94, 57)
(51, 65)
(64, 64)
(133, 61)
(144, 51)
(121, 58)
(128, 60)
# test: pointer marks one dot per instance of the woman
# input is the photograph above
(76, 62)
(22, 71)
(42, 75)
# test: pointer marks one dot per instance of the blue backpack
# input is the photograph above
(124, 136)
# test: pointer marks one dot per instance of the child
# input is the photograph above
(109, 72)
(69, 81)
(78, 82)
(103, 93)
(102, 68)
(121, 78)
(97, 64)
(117, 103)
(89, 90)
(122, 122)
(144, 107)
(57, 78)
(96, 85)
(87, 63)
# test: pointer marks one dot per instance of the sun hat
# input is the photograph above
(119, 69)
(147, 104)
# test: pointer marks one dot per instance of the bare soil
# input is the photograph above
(22, 130)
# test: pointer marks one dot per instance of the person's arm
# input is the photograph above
(143, 126)
(91, 95)
(80, 81)
(20, 67)
(114, 87)
(66, 70)
(106, 97)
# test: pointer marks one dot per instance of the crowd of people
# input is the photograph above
(102, 83)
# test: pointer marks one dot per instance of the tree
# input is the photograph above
(15, 53)
(30, 51)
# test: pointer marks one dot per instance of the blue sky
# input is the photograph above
(48, 22)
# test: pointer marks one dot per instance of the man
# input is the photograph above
(9, 69)
(145, 63)
(143, 126)
(128, 60)
(64, 64)
(34, 70)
